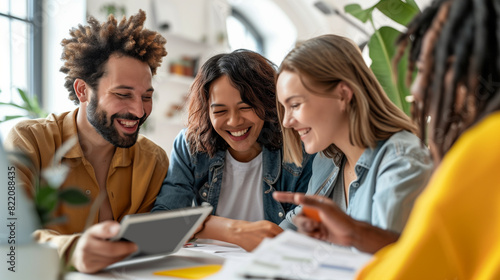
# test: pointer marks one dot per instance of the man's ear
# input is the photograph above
(82, 90)
(345, 92)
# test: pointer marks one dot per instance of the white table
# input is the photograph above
(186, 257)
(289, 255)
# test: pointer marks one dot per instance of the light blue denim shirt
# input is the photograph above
(389, 179)
(198, 178)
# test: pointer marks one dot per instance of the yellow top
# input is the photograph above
(454, 228)
(134, 178)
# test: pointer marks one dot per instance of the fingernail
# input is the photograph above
(114, 229)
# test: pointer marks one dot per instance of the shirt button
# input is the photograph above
(214, 180)
(280, 214)
(88, 192)
(204, 194)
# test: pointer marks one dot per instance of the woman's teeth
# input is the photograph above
(238, 133)
(303, 131)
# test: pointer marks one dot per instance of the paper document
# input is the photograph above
(220, 249)
(291, 255)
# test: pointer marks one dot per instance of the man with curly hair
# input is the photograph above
(109, 68)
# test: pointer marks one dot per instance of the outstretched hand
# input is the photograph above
(247, 235)
(334, 226)
(94, 251)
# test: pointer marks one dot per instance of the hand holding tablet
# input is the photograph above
(161, 233)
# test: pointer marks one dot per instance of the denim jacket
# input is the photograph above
(198, 177)
(389, 179)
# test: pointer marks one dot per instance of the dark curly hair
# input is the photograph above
(472, 59)
(90, 46)
(254, 77)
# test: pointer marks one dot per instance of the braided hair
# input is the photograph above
(462, 70)
(89, 47)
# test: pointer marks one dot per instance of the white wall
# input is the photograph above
(280, 21)
(194, 27)
(60, 17)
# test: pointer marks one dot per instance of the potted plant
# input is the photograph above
(27, 259)
(30, 106)
(382, 48)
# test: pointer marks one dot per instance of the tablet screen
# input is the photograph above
(161, 233)
(160, 237)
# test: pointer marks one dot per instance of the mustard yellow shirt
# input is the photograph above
(134, 178)
(454, 229)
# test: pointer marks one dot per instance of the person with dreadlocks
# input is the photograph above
(453, 230)
(109, 68)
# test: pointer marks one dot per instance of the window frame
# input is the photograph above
(34, 19)
(251, 28)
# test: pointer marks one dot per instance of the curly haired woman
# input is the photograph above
(231, 153)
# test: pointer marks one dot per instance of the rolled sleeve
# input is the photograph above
(399, 183)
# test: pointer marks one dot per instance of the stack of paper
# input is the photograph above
(218, 248)
(291, 255)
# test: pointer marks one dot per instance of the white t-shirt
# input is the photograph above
(241, 195)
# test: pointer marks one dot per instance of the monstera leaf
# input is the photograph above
(382, 46)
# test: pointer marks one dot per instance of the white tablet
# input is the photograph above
(161, 233)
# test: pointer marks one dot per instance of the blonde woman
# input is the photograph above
(371, 164)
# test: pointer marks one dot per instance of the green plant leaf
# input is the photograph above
(413, 4)
(8, 118)
(37, 110)
(46, 198)
(73, 196)
(356, 11)
(13, 105)
(26, 100)
(43, 214)
(381, 50)
(382, 46)
(397, 10)
(30, 105)
(401, 83)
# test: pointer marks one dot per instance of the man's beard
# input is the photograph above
(98, 119)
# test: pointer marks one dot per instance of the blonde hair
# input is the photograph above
(323, 62)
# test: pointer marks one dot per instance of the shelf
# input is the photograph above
(175, 38)
(184, 80)
(163, 78)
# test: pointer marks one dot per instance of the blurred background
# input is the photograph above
(31, 31)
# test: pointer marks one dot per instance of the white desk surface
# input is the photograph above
(186, 257)
(289, 255)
